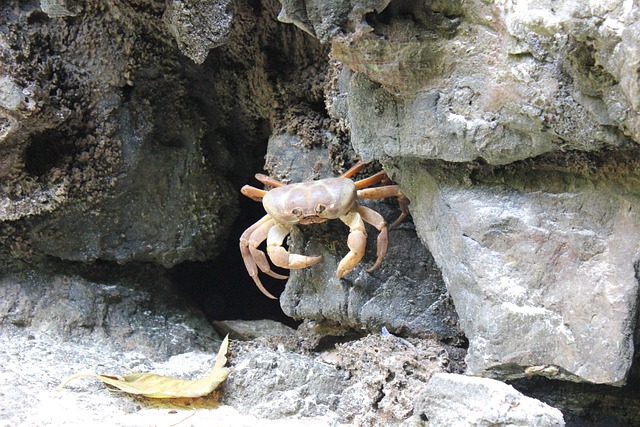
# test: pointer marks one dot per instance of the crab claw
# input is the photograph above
(280, 256)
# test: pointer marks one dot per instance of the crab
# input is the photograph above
(313, 202)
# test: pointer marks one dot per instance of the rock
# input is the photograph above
(57, 8)
(325, 19)
(110, 321)
(407, 297)
(372, 381)
(117, 309)
(250, 329)
(391, 372)
(425, 90)
(11, 95)
(198, 26)
(35, 364)
(459, 400)
(273, 384)
(167, 207)
(540, 263)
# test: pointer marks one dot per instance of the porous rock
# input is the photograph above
(539, 261)
(270, 383)
(198, 26)
(459, 400)
(102, 153)
(470, 80)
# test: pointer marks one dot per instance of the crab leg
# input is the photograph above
(353, 169)
(374, 218)
(258, 236)
(253, 193)
(388, 191)
(372, 180)
(356, 242)
(280, 256)
(268, 180)
(249, 262)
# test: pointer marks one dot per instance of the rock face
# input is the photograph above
(539, 256)
(457, 400)
(545, 257)
(406, 296)
(126, 129)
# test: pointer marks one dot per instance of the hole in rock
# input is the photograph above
(222, 288)
(47, 150)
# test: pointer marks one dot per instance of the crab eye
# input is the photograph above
(320, 208)
(296, 212)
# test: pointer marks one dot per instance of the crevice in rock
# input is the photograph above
(222, 288)
(47, 150)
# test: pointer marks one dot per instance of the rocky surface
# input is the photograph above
(515, 243)
(126, 129)
(457, 400)
(58, 325)
(407, 297)
(548, 260)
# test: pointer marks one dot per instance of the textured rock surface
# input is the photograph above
(116, 309)
(198, 26)
(100, 139)
(372, 381)
(539, 257)
(540, 263)
(115, 146)
(406, 296)
(475, 79)
(458, 400)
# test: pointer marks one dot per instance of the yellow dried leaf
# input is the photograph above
(161, 387)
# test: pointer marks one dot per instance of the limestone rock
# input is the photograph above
(454, 86)
(458, 400)
(198, 26)
(325, 19)
(118, 309)
(101, 151)
(540, 264)
(274, 384)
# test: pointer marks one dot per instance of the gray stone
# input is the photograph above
(250, 329)
(276, 383)
(540, 264)
(406, 296)
(10, 94)
(124, 310)
(325, 19)
(451, 400)
(428, 90)
(198, 26)
(58, 8)
(169, 209)
(391, 372)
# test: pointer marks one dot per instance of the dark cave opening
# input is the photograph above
(222, 288)
(47, 150)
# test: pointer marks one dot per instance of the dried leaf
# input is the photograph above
(161, 387)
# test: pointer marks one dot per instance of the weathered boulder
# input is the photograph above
(116, 309)
(540, 262)
(371, 381)
(102, 151)
(467, 80)
(539, 257)
(459, 400)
